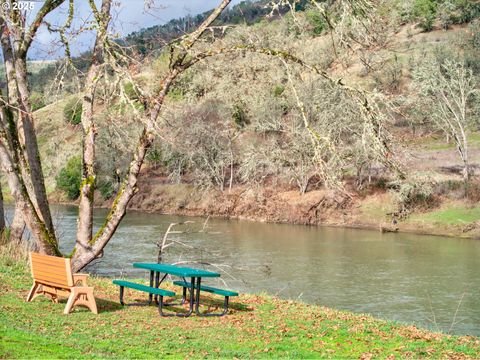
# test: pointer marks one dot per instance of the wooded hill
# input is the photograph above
(235, 124)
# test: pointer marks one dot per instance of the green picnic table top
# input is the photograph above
(176, 270)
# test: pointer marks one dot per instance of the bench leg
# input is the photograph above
(224, 312)
(184, 295)
(160, 309)
(86, 298)
(190, 311)
(121, 296)
(33, 291)
(158, 281)
(81, 296)
(92, 302)
(157, 284)
(70, 301)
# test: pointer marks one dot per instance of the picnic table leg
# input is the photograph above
(192, 292)
(197, 293)
(190, 311)
(121, 296)
(184, 295)
(224, 312)
(197, 311)
(157, 284)
(150, 296)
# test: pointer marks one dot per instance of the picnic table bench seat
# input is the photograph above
(226, 293)
(145, 288)
(206, 288)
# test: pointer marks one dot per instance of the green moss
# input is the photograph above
(90, 182)
(110, 213)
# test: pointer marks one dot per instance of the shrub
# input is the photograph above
(445, 13)
(154, 157)
(278, 90)
(425, 11)
(473, 192)
(418, 193)
(131, 92)
(107, 188)
(239, 115)
(316, 21)
(72, 112)
(70, 177)
(464, 11)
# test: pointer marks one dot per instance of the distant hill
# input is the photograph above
(153, 38)
(247, 12)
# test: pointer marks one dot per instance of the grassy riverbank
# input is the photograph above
(258, 326)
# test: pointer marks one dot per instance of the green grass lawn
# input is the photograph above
(451, 215)
(438, 142)
(257, 327)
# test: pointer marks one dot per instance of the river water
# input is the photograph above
(429, 281)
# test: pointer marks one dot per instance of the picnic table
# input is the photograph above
(195, 276)
(194, 286)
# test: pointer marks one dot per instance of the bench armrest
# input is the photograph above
(80, 278)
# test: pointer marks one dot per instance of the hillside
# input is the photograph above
(248, 101)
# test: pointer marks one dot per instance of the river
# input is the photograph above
(430, 281)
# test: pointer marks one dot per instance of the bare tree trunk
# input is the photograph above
(83, 255)
(230, 183)
(466, 173)
(17, 227)
(46, 244)
(28, 139)
(87, 187)
(462, 147)
(2, 212)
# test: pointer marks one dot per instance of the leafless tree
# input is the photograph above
(450, 92)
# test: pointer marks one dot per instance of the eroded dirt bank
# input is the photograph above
(277, 205)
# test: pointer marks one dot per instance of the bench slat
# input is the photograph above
(47, 259)
(209, 289)
(50, 274)
(51, 269)
(51, 282)
(144, 288)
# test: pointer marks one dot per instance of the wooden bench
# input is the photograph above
(52, 277)
(148, 289)
(226, 293)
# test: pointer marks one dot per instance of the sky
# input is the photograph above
(127, 16)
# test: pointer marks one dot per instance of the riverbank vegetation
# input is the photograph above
(257, 326)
